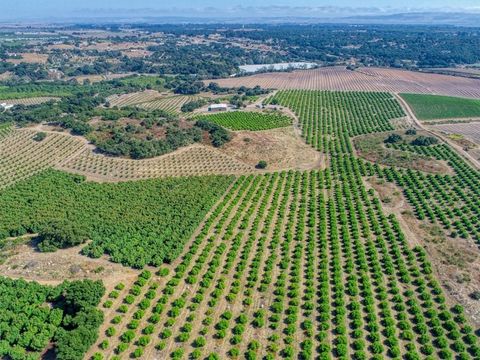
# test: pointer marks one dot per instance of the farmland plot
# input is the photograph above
(241, 120)
(364, 79)
(171, 104)
(133, 98)
(30, 101)
(296, 265)
(21, 156)
(469, 130)
(431, 107)
(188, 161)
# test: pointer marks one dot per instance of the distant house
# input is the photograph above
(218, 107)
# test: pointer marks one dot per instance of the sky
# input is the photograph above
(51, 9)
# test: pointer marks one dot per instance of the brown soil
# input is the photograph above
(31, 58)
(52, 268)
(280, 148)
(456, 262)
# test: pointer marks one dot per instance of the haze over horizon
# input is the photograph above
(27, 10)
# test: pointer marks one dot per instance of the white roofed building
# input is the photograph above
(218, 107)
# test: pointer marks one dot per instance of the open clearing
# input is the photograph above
(30, 58)
(432, 107)
(282, 149)
(66, 264)
(372, 148)
(364, 79)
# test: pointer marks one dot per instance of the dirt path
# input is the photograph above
(444, 139)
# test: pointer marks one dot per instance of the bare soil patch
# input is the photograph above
(68, 264)
(31, 58)
(280, 148)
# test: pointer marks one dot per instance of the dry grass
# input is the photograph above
(31, 58)
(280, 148)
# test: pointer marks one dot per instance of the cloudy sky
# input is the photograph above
(44, 9)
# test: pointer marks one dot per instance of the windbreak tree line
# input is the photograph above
(32, 316)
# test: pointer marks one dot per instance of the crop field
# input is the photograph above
(254, 121)
(22, 156)
(296, 265)
(469, 130)
(133, 98)
(151, 100)
(364, 79)
(432, 107)
(30, 101)
(190, 161)
(339, 115)
(451, 201)
(171, 104)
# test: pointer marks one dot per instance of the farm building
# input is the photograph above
(218, 107)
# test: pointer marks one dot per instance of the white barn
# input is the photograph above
(218, 107)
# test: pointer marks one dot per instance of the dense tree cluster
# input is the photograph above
(125, 220)
(110, 136)
(218, 135)
(33, 315)
(192, 105)
(424, 141)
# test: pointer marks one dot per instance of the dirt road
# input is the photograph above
(408, 110)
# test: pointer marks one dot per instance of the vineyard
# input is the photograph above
(22, 156)
(469, 130)
(171, 104)
(363, 79)
(254, 121)
(152, 100)
(132, 98)
(431, 107)
(301, 264)
(30, 101)
(190, 161)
